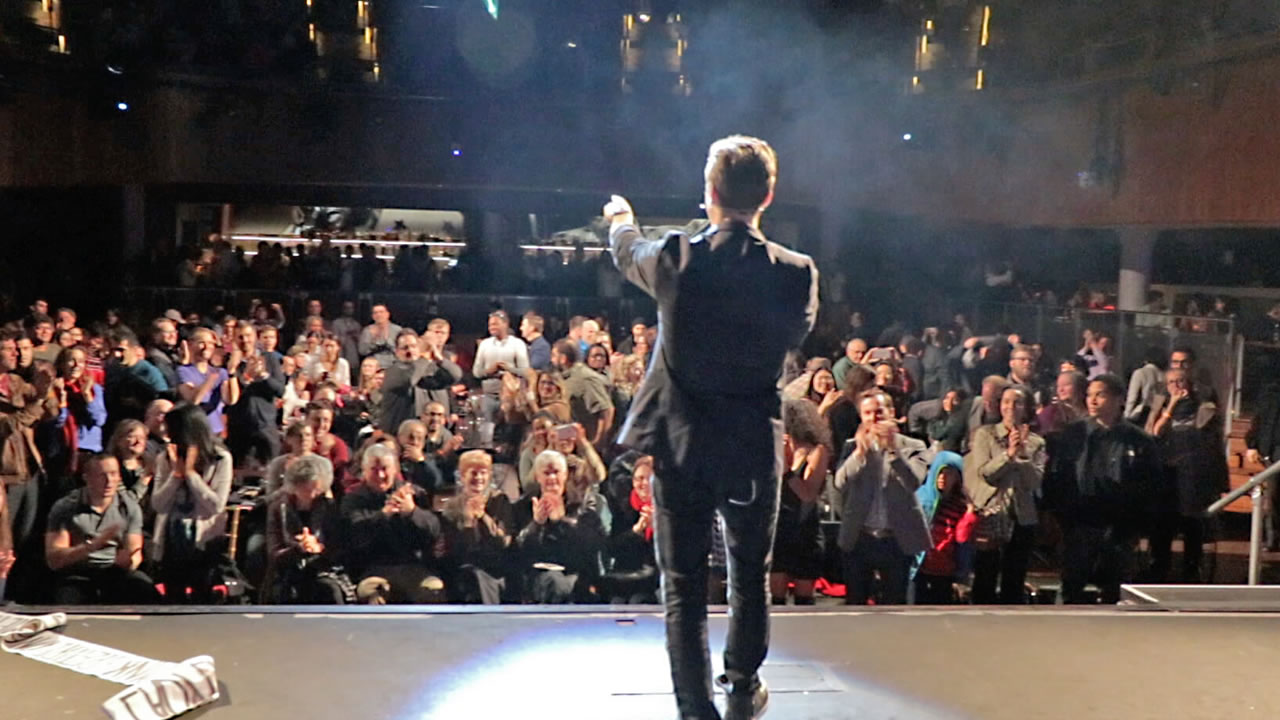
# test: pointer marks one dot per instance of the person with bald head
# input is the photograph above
(854, 351)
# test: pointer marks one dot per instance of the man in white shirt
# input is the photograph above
(500, 352)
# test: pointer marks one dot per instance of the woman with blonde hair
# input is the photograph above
(128, 444)
(478, 527)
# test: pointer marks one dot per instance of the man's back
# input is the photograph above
(730, 305)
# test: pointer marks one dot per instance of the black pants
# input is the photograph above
(1166, 527)
(1008, 563)
(935, 589)
(1101, 554)
(685, 506)
(104, 586)
(872, 556)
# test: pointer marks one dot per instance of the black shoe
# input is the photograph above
(747, 703)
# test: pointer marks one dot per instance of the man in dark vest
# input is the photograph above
(712, 419)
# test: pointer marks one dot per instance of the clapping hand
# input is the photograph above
(310, 543)
(106, 535)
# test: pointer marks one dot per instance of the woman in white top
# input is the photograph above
(330, 365)
(192, 482)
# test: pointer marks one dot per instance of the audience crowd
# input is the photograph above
(326, 460)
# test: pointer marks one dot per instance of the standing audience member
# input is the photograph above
(499, 353)
(206, 385)
(328, 445)
(410, 382)
(531, 326)
(330, 365)
(157, 435)
(1103, 481)
(1144, 385)
(378, 339)
(1188, 431)
(1003, 473)
(797, 544)
(22, 407)
(131, 382)
(950, 528)
(587, 392)
(347, 330)
(1067, 406)
(193, 480)
(82, 413)
(854, 352)
(882, 526)
(252, 432)
(166, 351)
(94, 541)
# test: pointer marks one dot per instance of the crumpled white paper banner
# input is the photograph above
(157, 689)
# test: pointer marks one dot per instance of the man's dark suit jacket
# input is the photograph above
(730, 305)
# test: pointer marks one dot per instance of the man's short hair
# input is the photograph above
(913, 344)
(569, 349)
(501, 314)
(1113, 384)
(1185, 350)
(406, 332)
(742, 171)
(123, 335)
(576, 321)
(67, 310)
(318, 405)
(535, 321)
(95, 460)
(438, 323)
(41, 319)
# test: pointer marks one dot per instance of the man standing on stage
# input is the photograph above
(712, 419)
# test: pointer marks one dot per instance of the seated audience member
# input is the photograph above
(1067, 406)
(206, 385)
(1188, 432)
(193, 480)
(81, 416)
(442, 445)
(633, 575)
(42, 329)
(586, 469)
(128, 445)
(477, 525)
(1103, 482)
(328, 445)
(797, 544)
(552, 398)
(390, 532)
(882, 527)
(297, 393)
(1003, 473)
(157, 435)
(854, 352)
(538, 439)
(302, 529)
(300, 442)
(94, 541)
(950, 527)
(416, 466)
(561, 544)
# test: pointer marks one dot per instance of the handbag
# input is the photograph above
(995, 523)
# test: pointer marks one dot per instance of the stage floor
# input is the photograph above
(916, 664)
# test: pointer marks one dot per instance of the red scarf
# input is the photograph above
(71, 428)
(638, 503)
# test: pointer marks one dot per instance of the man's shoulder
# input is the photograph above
(784, 255)
(64, 508)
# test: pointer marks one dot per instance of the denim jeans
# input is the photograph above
(686, 502)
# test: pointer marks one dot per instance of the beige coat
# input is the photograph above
(992, 478)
